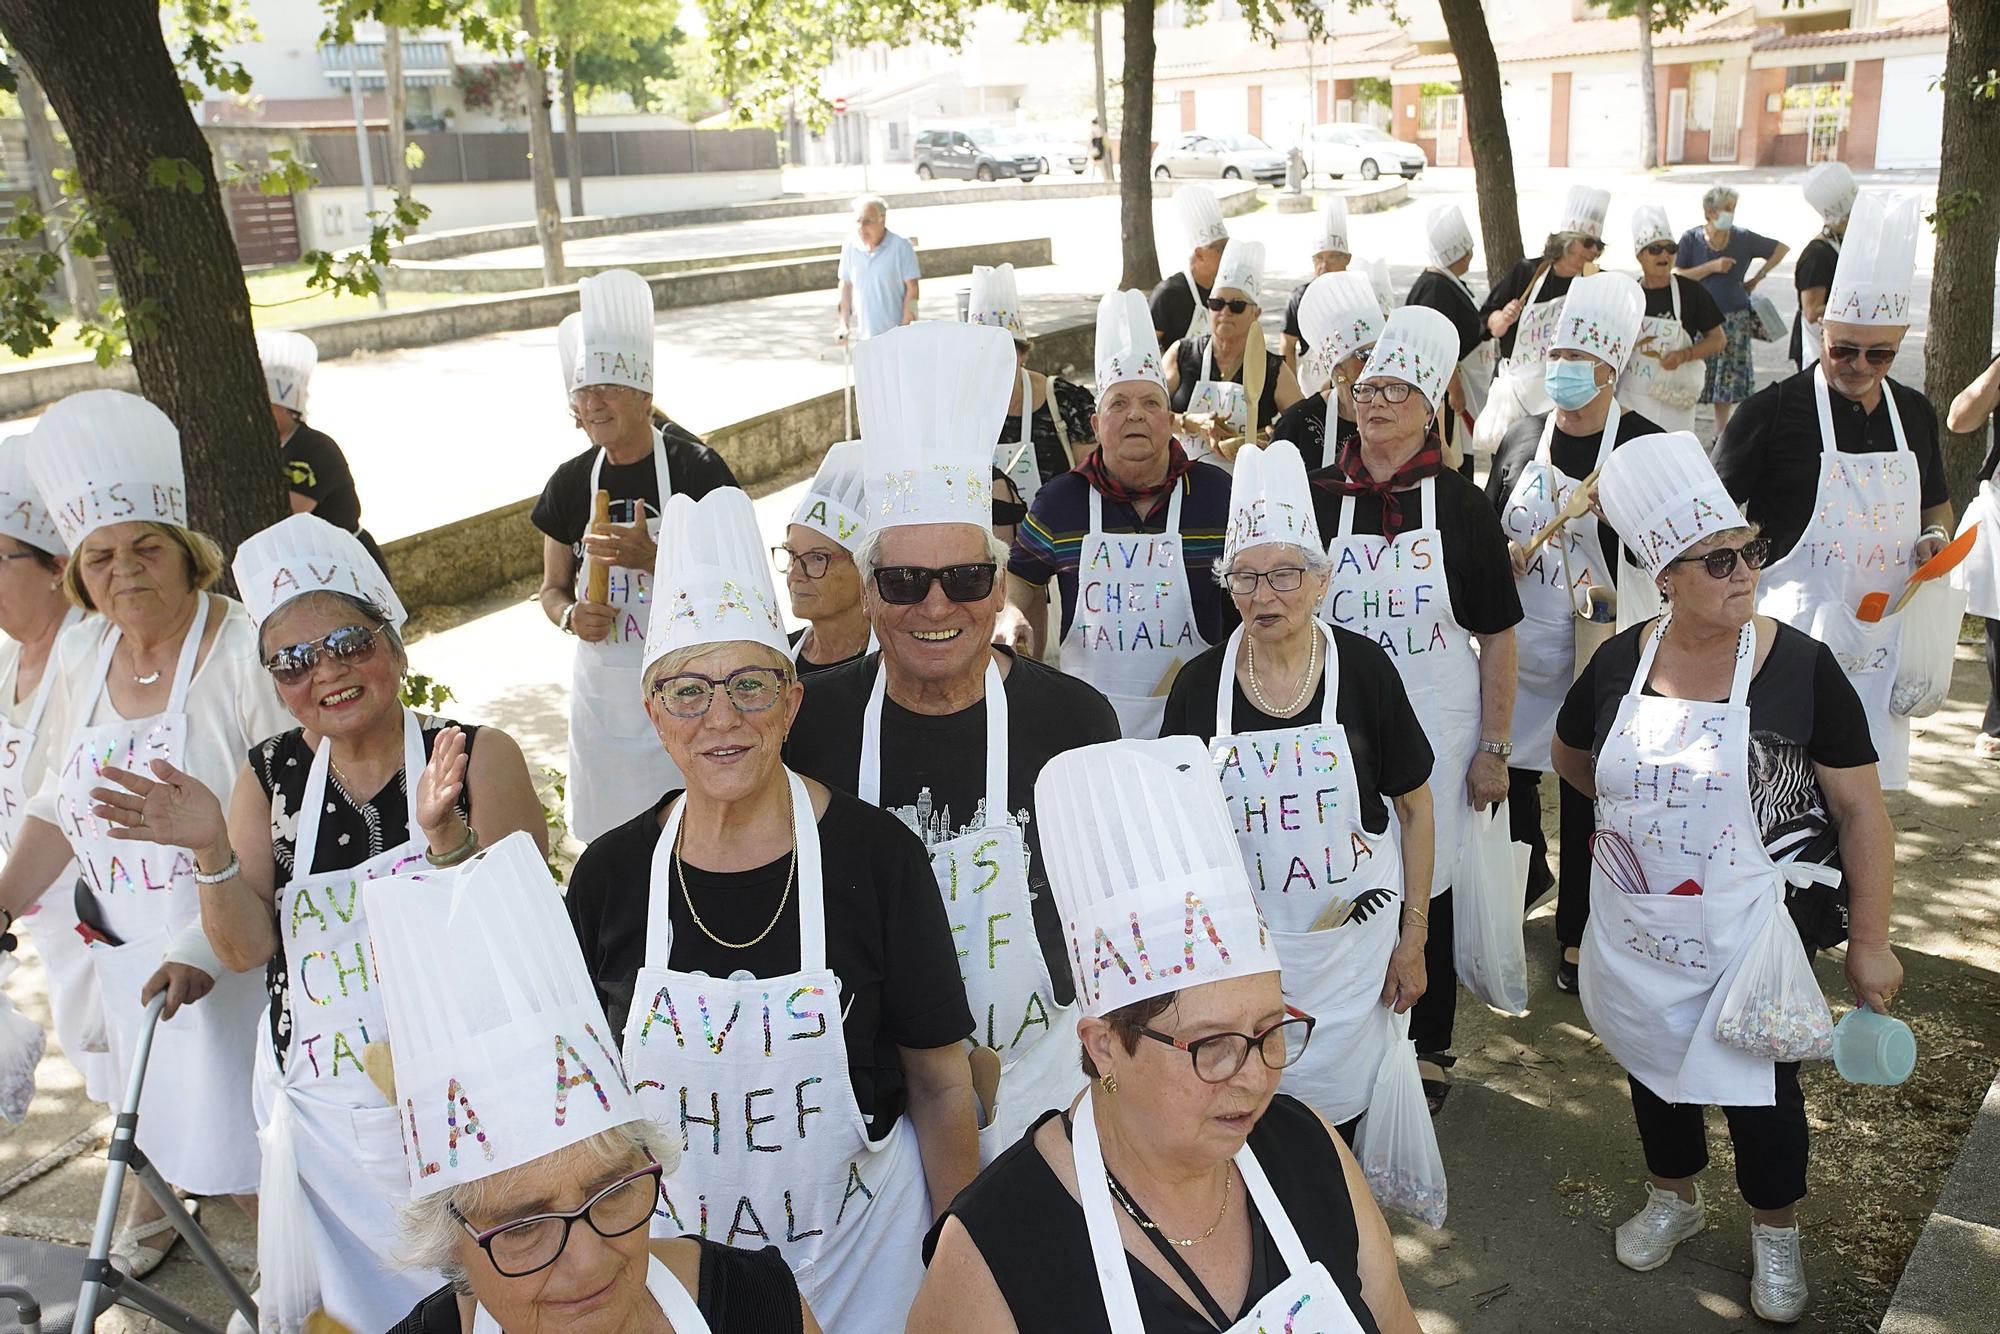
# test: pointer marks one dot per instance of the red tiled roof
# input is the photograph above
(1343, 48)
(1930, 23)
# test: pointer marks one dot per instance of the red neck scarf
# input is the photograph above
(1100, 477)
(1350, 476)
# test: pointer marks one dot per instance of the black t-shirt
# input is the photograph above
(1813, 268)
(1517, 282)
(1476, 570)
(315, 468)
(1188, 360)
(1304, 424)
(1793, 726)
(1077, 407)
(1292, 305)
(563, 510)
(1769, 454)
(1173, 308)
(1392, 755)
(1699, 313)
(806, 667)
(1442, 293)
(1574, 455)
(934, 765)
(1031, 1234)
(887, 938)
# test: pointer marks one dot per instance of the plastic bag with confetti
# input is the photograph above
(1397, 1144)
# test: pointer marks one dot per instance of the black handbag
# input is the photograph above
(1819, 911)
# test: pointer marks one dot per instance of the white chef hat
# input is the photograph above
(615, 333)
(1339, 316)
(501, 1051)
(836, 504)
(1830, 189)
(1269, 501)
(712, 577)
(1878, 258)
(289, 359)
(1241, 269)
(1127, 347)
(306, 554)
(1662, 495)
(1201, 216)
(106, 456)
(1449, 239)
(1418, 346)
(1650, 226)
(569, 349)
(1583, 211)
(932, 397)
(23, 516)
(1377, 272)
(995, 299)
(1147, 878)
(1601, 314)
(1333, 227)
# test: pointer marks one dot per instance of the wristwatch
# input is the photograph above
(1501, 748)
(563, 621)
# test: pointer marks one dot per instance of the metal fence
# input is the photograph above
(451, 158)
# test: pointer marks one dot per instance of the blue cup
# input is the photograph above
(1871, 1048)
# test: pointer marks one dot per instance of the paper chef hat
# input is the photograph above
(836, 504)
(1241, 269)
(1830, 189)
(569, 349)
(932, 397)
(1333, 228)
(500, 1047)
(995, 300)
(1339, 317)
(106, 456)
(23, 516)
(289, 359)
(1449, 239)
(306, 554)
(615, 334)
(1661, 493)
(1871, 283)
(1649, 226)
(712, 577)
(1601, 315)
(1127, 347)
(1270, 501)
(1201, 216)
(1418, 346)
(1147, 878)
(1583, 211)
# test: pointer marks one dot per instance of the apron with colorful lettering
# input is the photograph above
(675, 1301)
(1225, 400)
(752, 1072)
(1017, 458)
(1663, 397)
(1534, 334)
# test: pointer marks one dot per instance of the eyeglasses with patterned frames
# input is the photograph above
(528, 1245)
(812, 564)
(750, 690)
(1219, 1056)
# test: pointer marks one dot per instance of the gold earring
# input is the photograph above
(1110, 1085)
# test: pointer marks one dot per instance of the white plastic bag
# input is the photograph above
(1503, 408)
(1486, 894)
(1773, 1006)
(22, 1043)
(1930, 642)
(291, 1291)
(1397, 1144)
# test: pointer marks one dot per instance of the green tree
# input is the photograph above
(1654, 16)
(1486, 128)
(1959, 340)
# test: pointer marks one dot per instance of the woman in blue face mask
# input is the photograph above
(1719, 253)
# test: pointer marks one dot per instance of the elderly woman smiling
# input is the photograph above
(1205, 372)
(1146, 1205)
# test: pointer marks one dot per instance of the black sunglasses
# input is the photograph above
(292, 664)
(1660, 248)
(1591, 243)
(904, 585)
(1721, 562)
(528, 1245)
(1845, 352)
(1218, 305)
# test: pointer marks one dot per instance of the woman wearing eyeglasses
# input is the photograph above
(817, 561)
(1205, 373)
(1181, 1191)
(1721, 747)
(776, 956)
(1521, 311)
(1719, 253)
(1681, 330)
(361, 788)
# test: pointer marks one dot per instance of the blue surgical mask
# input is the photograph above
(1724, 221)
(1571, 384)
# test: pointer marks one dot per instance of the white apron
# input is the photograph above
(775, 1151)
(1979, 573)
(1672, 780)
(1396, 594)
(1297, 814)
(1197, 322)
(1017, 458)
(1557, 576)
(196, 1122)
(1133, 623)
(983, 875)
(1867, 512)
(1226, 400)
(682, 1314)
(1307, 1301)
(617, 766)
(1534, 333)
(1663, 397)
(330, 1139)
(1811, 336)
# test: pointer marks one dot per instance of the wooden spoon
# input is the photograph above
(1253, 374)
(1575, 507)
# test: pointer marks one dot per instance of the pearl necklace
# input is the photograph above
(1305, 682)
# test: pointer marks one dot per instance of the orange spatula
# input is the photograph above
(1876, 605)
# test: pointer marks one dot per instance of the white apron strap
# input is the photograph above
(1276, 1221)
(868, 781)
(1824, 402)
(811, 887)
(1028, 415)
(1426, 491)
(311, 805)
(1096, 512)
(1608, 438)
(1739, 681)
(1107, 1249)
(661, 477)
(1674, 281)
(1208, 358)
(674, 1299)
(1180, 487)
(183, 668)
(40, 703)
(1543, 451)
(1225, 703)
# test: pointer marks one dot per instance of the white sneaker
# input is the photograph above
(1777, 1274)
(1647, 1239)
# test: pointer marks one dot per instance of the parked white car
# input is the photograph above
(1344, 147)
(1060, 154)
(1228, 157)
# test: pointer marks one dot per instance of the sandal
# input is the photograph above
(132, 1257)
(1986, 746)
(1438, 1089)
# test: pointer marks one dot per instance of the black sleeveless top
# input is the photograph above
(1189, 362)
(741, 1292)
(1032, 1235)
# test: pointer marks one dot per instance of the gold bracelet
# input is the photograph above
(1419, 914)
(457, 854)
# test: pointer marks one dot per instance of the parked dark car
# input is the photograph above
(975, 153)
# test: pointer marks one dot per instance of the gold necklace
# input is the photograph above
(791, 876)
(1305, 682)
(1132, 1211)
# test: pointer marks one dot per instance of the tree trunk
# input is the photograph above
(1960, 338)
(1097, 68)
(106, 70)
(1486, 126)
(1649, 110)
(1135, 152)
(392, 75)
(542, 152)
(80, 282)
(572, 137)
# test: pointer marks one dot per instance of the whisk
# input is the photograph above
(1614, 857)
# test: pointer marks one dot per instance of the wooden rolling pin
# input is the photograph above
(1254, 369)
(597, 574)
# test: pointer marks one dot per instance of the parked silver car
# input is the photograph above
(1226, 157)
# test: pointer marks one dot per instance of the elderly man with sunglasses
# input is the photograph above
(1840, 467)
